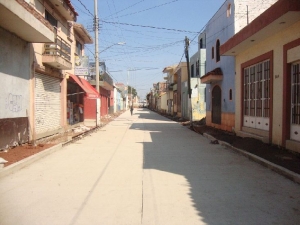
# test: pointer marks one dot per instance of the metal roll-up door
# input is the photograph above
(47, 103)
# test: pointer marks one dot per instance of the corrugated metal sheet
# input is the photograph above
(47, 103)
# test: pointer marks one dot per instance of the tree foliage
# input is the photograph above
(134, 93)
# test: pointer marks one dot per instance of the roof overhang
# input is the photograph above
(17, 17)
(279, 16)
(213, 76)
(83, 33)
(65, 8)
(169, 68)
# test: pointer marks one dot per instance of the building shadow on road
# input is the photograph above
(218, 184)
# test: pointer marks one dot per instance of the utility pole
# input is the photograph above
(96, 29)
(187, 43)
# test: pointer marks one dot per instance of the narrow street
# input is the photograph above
(146, 169)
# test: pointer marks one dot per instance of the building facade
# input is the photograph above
(267, 80)
(232, 16)
(197, 70)
(51, 61)
(18, 33)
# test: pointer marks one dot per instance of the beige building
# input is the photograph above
(170, 81)
(51, 60)
(176, 74)
(267, 79)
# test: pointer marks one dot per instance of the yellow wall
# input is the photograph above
(275, 44)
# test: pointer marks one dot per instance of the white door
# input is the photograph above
(257, 96)
(295, 102)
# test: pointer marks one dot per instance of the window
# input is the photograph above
(218, 51)
(197, 68)
(192, 70)
(69, 30)
(212, 52)
(228, 10)
(230, 94)
(201, 43)
(78, 48)
(50, 19)
(257, 94)
(296, 94)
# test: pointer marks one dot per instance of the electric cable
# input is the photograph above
(146, 26)
(129, 14)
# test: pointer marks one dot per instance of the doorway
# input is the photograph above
(216, 105)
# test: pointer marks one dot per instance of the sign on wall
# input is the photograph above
(102, 68)
(81, 65)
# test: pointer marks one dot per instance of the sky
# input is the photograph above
(153, 32)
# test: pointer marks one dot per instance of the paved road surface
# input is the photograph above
(145, 169)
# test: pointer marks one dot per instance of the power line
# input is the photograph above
(145, 26)
(125, 9)
(85, 8)
(129, 14)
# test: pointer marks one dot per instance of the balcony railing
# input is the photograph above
(59, 48)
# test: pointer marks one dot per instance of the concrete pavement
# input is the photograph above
(146, 169)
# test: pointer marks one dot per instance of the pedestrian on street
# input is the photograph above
(131, 109)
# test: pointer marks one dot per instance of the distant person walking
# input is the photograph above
(131, 109)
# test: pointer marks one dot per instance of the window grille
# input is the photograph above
(257, 90)
(295, 94)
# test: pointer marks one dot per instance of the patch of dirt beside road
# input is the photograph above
(18, 153)
(277, 155)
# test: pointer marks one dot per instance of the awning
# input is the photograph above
(212, 76)
(90, 91)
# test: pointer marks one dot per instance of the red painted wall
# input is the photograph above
(89, 108)
(104, 105)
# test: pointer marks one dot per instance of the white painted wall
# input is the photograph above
(15, 76)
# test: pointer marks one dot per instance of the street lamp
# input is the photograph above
(119, 43)
(97, 63)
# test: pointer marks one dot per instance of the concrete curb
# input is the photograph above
(27, 161)
(276, 168)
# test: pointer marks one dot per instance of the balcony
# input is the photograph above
(170, 86)
(20, 18)
(105, 81)
(175, 87)
(58, 54)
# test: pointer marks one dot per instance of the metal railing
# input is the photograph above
(59, 48)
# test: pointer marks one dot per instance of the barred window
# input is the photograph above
(257, 90)
(296, 94)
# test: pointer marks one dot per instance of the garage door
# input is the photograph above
(47, 103)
